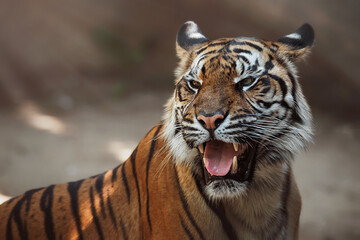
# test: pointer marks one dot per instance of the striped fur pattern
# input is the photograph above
(160, 191)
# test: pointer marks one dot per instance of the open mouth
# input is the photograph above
(223, 160)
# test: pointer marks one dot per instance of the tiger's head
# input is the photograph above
(238, 114)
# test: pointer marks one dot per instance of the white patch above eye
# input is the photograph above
(294, 36)
(237, 79)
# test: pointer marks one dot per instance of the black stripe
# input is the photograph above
(73, 189)
(190, 142)
(212, 45)
(179, 89)
(295, 115)
(212, 60)
(265, 90)
(151, 153)
(219, 210)
(190, 128)
(186, 229)
(111, 211)
(225, 48)
(46, 203)
(152, 129)
(95, 217)
(253, 68)
(192, 75)
(203, 70)
(244, 59)
(269, 65)
(281, 83)
(187, 120)
(99, 183)
(269, 104)
(133, 164)
(208, 53)
(123, 230)
(294, 86)
(190, 135)
(266, 104)
(254, 46)
(177, 123)
(186, 206)
(219, 43)
(125, 182)
(201, 50)
(225, 57)
(253, 106)
(114, 174)
(284, 199)
(265, 81)
(15, 214)
(239, 50)
(242, 69)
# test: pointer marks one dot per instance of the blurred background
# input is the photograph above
(82, 81)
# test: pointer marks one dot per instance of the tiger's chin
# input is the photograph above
(228, 168)
(227, 188)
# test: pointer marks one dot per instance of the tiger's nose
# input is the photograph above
(211, 122)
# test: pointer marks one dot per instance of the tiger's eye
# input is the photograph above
(247, 81)
(194, 84)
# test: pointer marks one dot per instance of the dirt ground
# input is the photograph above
(38, 149)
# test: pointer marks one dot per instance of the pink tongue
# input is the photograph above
(218, 157)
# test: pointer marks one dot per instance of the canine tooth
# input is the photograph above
(204, 161)
(236, 146)
(234, 166)
(201, 148)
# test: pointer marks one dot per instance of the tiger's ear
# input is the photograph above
(296, 46)
(188, 37)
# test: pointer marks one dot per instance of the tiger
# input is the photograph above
(217, 166)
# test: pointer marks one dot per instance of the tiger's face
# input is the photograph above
(237, 113)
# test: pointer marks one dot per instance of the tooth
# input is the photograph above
(236, 146)
(234, 166)
(201, 148)
(204, 161)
